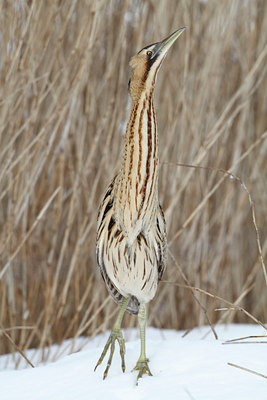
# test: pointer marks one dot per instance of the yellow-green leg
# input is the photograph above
(115, 334)
(142, 363)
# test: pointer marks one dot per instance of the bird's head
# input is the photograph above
(145, 64)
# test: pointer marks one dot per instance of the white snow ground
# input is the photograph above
(190, 368)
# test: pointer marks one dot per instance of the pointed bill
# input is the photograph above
(168, 42)
(165, 44)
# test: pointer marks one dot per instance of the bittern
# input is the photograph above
(131, 232)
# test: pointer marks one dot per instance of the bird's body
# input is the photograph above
(131, 234)
(131, 250)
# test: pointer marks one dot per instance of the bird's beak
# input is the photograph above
(164, 45)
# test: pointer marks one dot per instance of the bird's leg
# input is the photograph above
(115, 334)
(142, 363)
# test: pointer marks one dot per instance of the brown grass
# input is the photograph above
(63, 109)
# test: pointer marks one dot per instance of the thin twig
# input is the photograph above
(195, 298)
(219, 298)
(25, 238)
(16, 346)
(243, 185)
(247, 370)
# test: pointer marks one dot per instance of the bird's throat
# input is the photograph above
(136, 186)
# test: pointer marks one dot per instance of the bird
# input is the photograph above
(131, 242)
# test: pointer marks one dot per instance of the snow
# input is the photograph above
(191, 368)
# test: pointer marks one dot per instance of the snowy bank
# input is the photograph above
(195, 367)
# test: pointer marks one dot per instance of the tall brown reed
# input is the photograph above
(63, 110)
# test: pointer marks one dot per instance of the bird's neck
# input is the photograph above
(136, 187)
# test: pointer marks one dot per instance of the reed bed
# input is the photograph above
(63, 111)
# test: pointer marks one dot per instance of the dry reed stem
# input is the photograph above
(230, 341)
(243, 185)
(6, 335)
(247, 370)
(195, 298)
(231, 305)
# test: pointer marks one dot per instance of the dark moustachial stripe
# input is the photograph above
(149, 62)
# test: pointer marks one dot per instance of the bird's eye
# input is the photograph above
(149, 53)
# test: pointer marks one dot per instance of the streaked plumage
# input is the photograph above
(130, 269)
(131, 236)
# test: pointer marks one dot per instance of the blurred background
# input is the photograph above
(63, 112)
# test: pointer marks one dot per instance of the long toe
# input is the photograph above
(143, 368)
(114, 335)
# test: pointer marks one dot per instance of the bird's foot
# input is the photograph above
(143, 368)
(114, 335)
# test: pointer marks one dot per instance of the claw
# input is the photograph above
(143, 368)
(114, 335)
